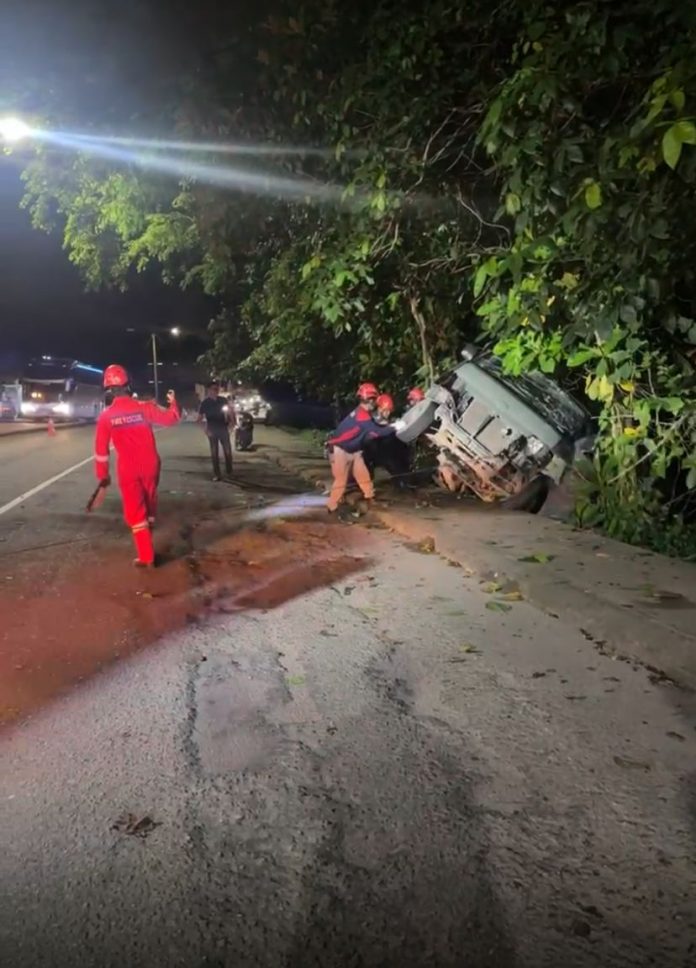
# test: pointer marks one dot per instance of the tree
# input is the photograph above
(591, 134)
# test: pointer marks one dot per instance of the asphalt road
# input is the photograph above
(304, 744)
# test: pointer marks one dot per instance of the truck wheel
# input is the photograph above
(531, 498)
(418, 419)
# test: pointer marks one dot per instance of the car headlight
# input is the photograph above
(28, 408)
(534, 446)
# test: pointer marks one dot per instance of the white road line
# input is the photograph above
(40, 487)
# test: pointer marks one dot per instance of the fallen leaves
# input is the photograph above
(496, 606)
(295, 680)
(505, 592)
(628, 764)
(134, 826)
(540, 558)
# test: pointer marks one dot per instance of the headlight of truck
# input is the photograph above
(534, 446)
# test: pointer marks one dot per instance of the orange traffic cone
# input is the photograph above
(51, 427)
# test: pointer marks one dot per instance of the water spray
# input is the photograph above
(292, 507)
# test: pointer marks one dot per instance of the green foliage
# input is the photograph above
(591, 133)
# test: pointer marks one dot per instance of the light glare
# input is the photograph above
(13, 129)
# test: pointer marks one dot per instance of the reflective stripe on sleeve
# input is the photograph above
(99, 457)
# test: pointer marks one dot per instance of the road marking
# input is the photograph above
(40, 487)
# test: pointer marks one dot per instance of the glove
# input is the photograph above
(171, 396)
(105, 481)
(399, 425)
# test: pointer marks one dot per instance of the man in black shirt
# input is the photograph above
(218, 416)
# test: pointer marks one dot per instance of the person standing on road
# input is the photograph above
(345, 446)
(127, 424)
(218, 416)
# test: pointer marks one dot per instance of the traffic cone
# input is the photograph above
(51, 427)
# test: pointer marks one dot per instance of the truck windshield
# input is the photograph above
(44, 391)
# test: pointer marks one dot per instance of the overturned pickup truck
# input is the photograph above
(504, 438)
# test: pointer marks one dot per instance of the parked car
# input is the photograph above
(504, 438)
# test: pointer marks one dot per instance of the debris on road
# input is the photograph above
(134, 826)
(628, 764)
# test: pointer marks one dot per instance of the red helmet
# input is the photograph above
(415, 395)
(115, 376)
(367, 391)
(385, 402)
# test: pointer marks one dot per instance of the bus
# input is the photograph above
(61, 389)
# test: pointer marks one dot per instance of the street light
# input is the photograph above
(174, 331)
(13, 130)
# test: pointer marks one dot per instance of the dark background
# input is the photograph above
(87, 63)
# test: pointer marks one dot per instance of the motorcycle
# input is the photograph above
(244, 431)
(506, 439)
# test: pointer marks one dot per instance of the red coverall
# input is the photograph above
(127, 423)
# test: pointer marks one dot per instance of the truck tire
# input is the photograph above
(418, 419)
(531, 498)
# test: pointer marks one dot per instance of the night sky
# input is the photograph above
(43, 307)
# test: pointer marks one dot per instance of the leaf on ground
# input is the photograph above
(295, 680)
(674, 735)
(498, 607)
(661, 595)
(468, 648)
(602, 554)
(491, 587)
(427, 546)
(513, 597)
(629, 764)
(368, 610)
(540, 558)
(134, 826)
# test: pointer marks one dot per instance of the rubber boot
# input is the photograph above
(144, 548)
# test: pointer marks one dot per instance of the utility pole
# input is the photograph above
(154, 367)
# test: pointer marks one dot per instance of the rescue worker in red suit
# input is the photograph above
(415, 396)
(346, 446)
(127, 424)
(391, 454)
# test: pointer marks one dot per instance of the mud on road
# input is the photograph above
(66, 616)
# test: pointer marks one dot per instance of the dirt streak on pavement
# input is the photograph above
(62, 622)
